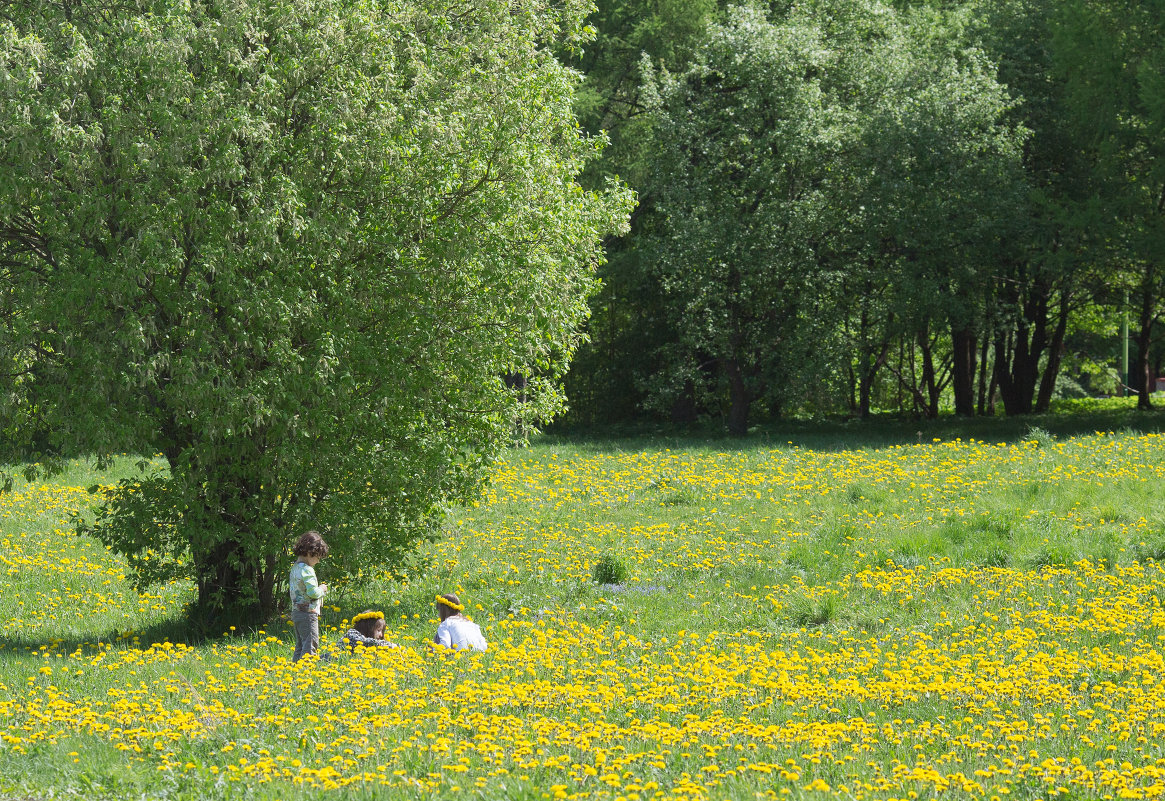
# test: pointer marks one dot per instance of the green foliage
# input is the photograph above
(297, 248)
(808, 613)
(840, 163)
(609, 569)
(743, 139)
(1111, 59)
(982, 186)
(1040, 436)
(627, 324)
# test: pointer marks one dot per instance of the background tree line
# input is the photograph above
(847, 205)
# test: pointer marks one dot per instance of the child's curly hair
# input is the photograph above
(311, 544)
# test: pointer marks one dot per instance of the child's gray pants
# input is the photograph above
(307, 633)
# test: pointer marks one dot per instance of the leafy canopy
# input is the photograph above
(809, 159)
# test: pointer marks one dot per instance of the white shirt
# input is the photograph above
(460, 633)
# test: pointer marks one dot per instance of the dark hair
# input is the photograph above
(371, 627)
(443, 610)
(311, 544)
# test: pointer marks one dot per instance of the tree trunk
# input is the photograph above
(229, 588)
(1055, 355)
(236, 581)
(852, 400)
(740, 400)
(870, 365)
(1017, 355)
(866, 379)
(864, 396)
(915, 393)
(929, 378)
(901, 348)
(1140, 374)
(982, 405)
(963, 344)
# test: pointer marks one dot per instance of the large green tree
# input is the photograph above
(1109, 56)
(939, 192)
(627, 323)
(296, 247)
(743, 140)
(1041, 279)
(836, 164)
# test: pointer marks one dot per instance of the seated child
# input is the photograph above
(367, 630)
(456, 630)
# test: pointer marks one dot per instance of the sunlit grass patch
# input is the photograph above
(853, 624)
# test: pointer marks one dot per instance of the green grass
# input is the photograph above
(829, 539)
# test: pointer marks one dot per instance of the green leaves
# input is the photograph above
(840, 161)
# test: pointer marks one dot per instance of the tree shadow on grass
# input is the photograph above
(178, 629)
(832, 434)
(184, 629)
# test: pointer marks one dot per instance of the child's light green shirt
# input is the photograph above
(305, 590)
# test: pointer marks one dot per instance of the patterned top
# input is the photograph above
(305, 591)
(460, 632)
(352, 638)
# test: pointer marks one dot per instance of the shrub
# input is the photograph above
(1041, 436)
(805, 613)
(609, 569)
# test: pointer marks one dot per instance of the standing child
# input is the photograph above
(456, 630)
(367, 630)
(306, 594)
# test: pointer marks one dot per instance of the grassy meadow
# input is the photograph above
(861, 613)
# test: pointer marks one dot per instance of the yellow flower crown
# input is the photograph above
(441, 599)
(367, 616)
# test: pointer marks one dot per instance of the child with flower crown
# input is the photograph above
(456, 630)
(367, 631)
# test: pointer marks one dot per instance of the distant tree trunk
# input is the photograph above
(1140, 374)
(906, 362)
(1055, 356)
(870, 365)
(982, 405)
(866, 379)
(852, 382)
(869, 372)
(683, 408)
(916, 394)
(227, 583)
(963, 346)
(740, 399)
(929, 376)
(901, 348)
(1007, 390)
(1018, 352)
(864, 398)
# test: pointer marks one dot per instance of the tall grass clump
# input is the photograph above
(609, 569)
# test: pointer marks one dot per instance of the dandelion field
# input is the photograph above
(960, 618)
